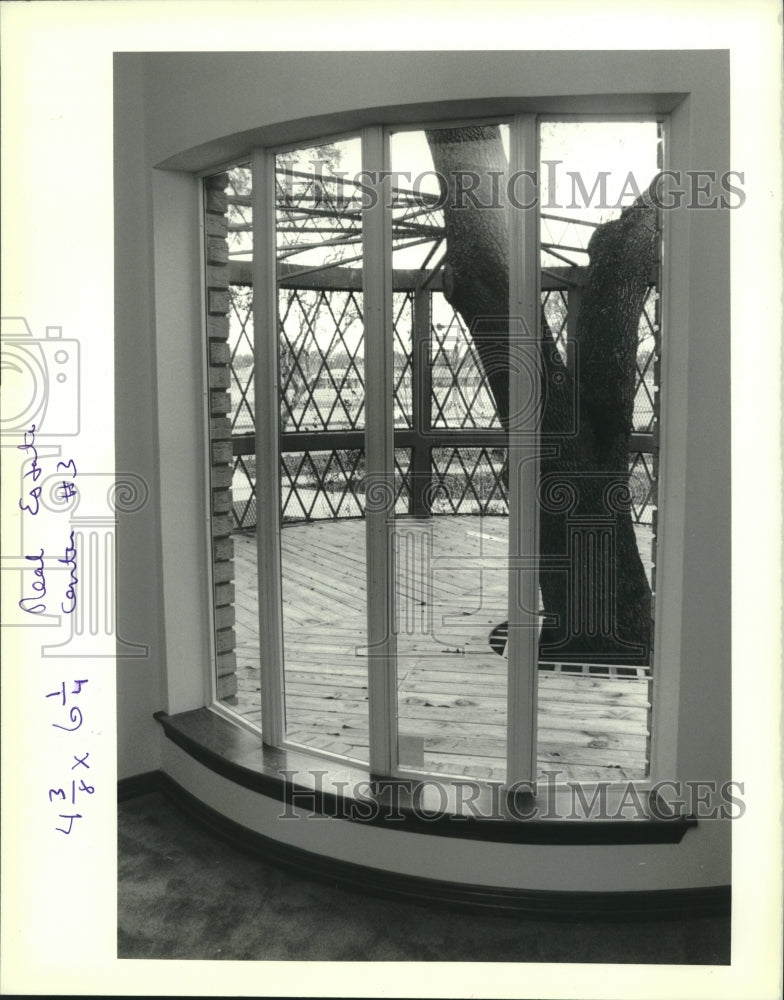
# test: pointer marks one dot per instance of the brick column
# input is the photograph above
(218, 305)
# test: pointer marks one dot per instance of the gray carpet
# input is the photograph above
(184, 894)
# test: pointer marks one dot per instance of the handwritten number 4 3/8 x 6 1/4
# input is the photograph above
(74, 789)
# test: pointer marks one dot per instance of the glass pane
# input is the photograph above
(451, 556)
(321, 364)
(322, 459)
(600, 251)
(461, 394)
(402, 325)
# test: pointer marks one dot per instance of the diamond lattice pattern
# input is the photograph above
(468, 481)
(241, 361)
(402, 317)
(555, 304)
(642, 485)
(321, 361)
(645, 399)
(461, 396)
(319, 485)
(323, 389)
(243, 492)
(316, 485)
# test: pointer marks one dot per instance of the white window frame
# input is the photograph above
(523, 452)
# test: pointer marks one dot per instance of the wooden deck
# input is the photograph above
(451, 583)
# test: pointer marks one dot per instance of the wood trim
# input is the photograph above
(524, 394)
(245, 444)
(265, 322)
(652, 905)
(671, 418)
(398, 803)
(139, 784)
(233, 147)
(379, 456)
(349, 279)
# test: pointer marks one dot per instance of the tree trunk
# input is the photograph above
(595, 592)
(476, 267)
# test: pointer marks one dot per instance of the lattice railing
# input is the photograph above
(321, 485)
(241, 363)
(644, 402)
(468, 481)
(461, 396)
(403, 369)
(447, 429)
(322, 370)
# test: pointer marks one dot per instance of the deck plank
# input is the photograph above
(451, 685)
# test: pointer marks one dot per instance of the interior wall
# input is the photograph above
(140, 679)
(182, 417)
(189, 109)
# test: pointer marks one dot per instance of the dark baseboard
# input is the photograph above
(663, 904)
(139, 784)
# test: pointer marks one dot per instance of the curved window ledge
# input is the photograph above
(648, 905)
(448, 807)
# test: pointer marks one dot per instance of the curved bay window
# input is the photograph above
(434, 416)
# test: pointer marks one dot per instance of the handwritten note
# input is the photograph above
(73, 787)
(76, 788)
(30, 503)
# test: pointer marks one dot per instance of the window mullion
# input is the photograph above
(267, 415)
(379, 453)
(523, 455)
(666, 606)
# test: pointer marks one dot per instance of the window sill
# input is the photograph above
(451, 807)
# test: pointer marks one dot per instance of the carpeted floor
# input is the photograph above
(183, 894)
